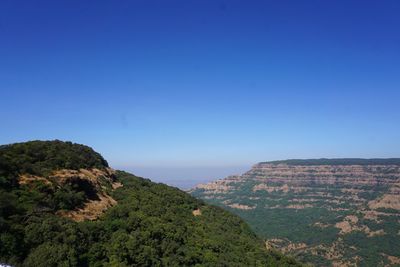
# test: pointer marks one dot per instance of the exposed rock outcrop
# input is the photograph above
(353, 196)
(95, 183)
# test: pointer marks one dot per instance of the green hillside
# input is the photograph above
(47, 189)
(42, 157)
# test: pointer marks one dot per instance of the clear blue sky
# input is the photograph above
(213, 84)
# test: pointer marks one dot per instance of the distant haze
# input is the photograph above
(185, 177)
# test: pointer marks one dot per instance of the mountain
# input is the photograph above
(62, 205)
(329, 212)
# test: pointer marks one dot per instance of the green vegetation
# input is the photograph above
(42, 157)
(152, 224)
(315, 214)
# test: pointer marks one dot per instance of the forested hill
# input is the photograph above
(42, 157)
(61, 205)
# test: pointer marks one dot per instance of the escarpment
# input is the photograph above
(332, 212)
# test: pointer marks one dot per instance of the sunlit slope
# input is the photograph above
(340, 211)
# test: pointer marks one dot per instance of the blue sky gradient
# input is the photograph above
(217, 85)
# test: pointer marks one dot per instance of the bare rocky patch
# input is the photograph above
(27, 179)
(393, 260)
(299, 206)
(387, 201)
(196, 212)
(241, 206)
(91, 210)
(94, 182)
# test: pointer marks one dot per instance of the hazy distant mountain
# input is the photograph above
(340, 212)
(61, 205)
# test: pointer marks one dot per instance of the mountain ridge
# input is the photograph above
(336, 161)
(61, 205)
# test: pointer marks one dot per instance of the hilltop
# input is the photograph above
(335, 161)
(329, 212)
(62, 205)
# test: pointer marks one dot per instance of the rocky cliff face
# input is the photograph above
(336, 213)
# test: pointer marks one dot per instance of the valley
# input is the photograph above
(340, 212)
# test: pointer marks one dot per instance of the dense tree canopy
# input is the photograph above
(41, 157)
(152, 224)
